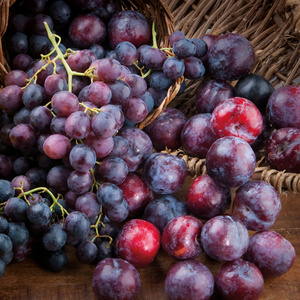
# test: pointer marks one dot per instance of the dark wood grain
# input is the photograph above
(27, 281)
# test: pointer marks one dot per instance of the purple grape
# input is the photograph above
(88, 204)
(23, 137)
(159, 81)
(16, 209)
(11, 99)
(64, 103)
(80, 182)
(56, 146)
(53, 84)
(77, 227)
(16, 77)
(107, 69)
(194, 68)
(135, 110)
(137, 84)
(54, 237)
(21, 62)
(57, 178)
(102, 147)
(78, 125)
(104, 125)
(99, 93)
(57, 125)
(113, 169)
(86, 252)
(82, 158)
(175, 36)
(173, 67)
(121, 92)
(116, 111)
(34, 95)
(126, 53)
(184, 48)
(152, 58)
(40, 118)
(39, 215)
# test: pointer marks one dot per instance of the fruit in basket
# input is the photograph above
(239, 279)
(166, 129)
(230, 57)
(257, 204)
(254, 88)
(206, 198)
(271, 253)
(224, 238)
(283, 107)
(197, 135)
(210, 93)
(282, 149)
(87, 30)
(237, 117)
(189, 279)
(115, 278)
(128, 25)
(164, 173)
(138, 242)
(180, 237)
(230, 161)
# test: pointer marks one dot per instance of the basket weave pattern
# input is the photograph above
(273, 28)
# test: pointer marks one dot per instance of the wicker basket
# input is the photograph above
(273, 28)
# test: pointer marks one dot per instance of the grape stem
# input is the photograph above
(43, 190)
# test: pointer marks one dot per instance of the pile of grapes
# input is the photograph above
(75, 168)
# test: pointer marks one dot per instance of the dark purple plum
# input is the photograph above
(239, 279)
(224, 238)
(189, 279)
(282, 149)
(181, 236)
(210, 93)
(230, 57)
(165, 130)
(206, 198)
(86, 30)
(115, 278)
(163, 209)
(254, 88)
(164, 173)
(128, 25)
(197, 135)
(273, 254)
(230, 161)
(283, 107)
(257, 204)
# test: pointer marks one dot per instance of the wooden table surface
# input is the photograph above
(27, 281)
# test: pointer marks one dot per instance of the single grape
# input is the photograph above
(54, 237)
